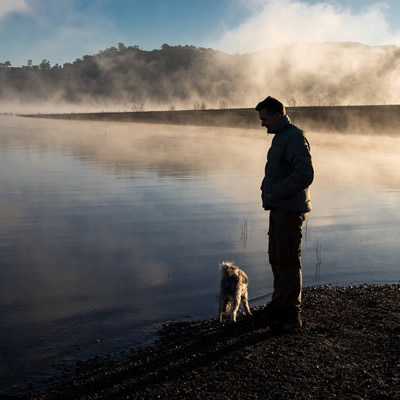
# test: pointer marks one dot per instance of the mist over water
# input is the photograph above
(187, 78)
(108, 229)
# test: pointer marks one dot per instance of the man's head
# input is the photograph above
(271, 111)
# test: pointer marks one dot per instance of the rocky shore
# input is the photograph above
(348, 348)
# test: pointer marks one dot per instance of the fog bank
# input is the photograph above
(190, 78)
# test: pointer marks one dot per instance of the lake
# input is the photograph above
(109, 230)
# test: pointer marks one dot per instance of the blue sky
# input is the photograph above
(63, 30)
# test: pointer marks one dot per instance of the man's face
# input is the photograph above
(268, 119)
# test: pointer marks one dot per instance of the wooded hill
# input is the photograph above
(188, 77)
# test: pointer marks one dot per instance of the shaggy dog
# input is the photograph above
(233, 290)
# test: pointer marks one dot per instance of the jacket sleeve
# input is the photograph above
(301, 169)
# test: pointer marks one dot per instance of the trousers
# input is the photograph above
(284, 251)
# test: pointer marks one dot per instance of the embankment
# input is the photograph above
(380, 119)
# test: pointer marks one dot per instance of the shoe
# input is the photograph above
(288, 325)
(268, 315)
(292, 324)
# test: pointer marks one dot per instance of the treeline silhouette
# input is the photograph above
(128, 75)
(191, 77)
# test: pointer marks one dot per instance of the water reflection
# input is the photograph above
(107, 229)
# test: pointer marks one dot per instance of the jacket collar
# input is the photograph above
(281, 124)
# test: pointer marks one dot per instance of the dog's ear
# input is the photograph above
(227, 264)
(221, 268)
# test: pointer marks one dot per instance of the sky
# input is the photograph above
(61, 31)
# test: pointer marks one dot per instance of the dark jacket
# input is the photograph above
(289, 171)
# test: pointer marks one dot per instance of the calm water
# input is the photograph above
(108, 230)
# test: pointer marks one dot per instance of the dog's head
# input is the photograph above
(228, 268)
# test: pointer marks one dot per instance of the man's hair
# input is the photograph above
(272, 105)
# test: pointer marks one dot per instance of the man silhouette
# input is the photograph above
(285, 193)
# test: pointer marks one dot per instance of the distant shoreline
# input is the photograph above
(376, 119)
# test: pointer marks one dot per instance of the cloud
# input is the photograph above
(300, 50)
(273, 23)
(62, 31)
(9, 6)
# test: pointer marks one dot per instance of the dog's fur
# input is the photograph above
(233, 290)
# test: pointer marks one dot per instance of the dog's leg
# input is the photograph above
(235, 306)
(227, 305)
(245, 303)
(223, 305)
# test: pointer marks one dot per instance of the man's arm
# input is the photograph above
(302, 171)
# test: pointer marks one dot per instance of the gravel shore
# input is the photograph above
(348, 348)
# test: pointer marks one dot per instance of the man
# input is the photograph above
(285, 192)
